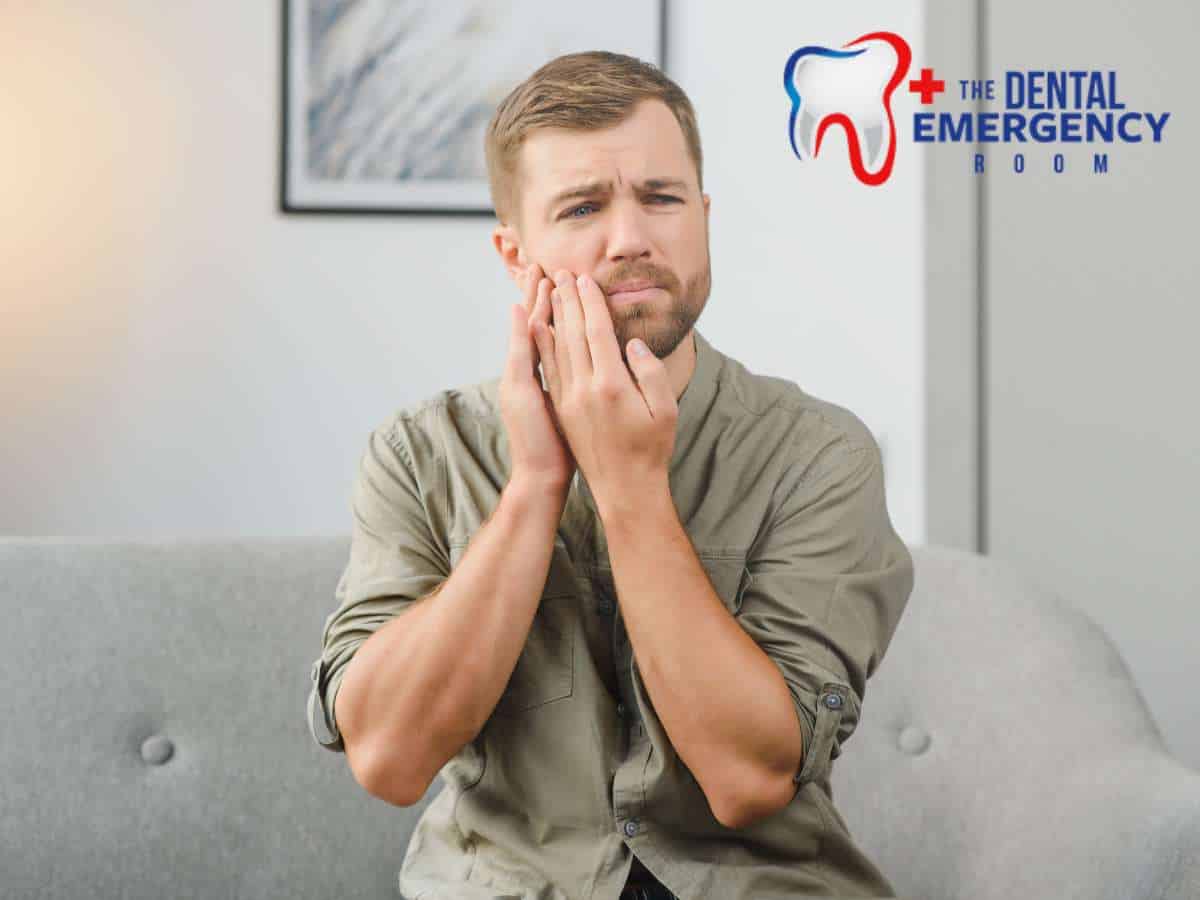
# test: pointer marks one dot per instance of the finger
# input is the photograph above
(520, 346)
(531, 277)
(535, 289)
(541, 304)
(545, 344)
(558, 426)
(562, 358)
(571, 331)
(539, 321)
(651, 375)
(598, 330)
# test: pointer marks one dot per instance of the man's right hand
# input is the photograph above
(539, 453)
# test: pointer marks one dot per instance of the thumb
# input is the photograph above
(651, 375)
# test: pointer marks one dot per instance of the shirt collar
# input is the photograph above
(697, 397)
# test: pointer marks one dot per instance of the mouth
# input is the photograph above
(634, 291)
(623, 297)
(636, 285)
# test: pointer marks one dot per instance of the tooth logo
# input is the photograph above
(853, 89)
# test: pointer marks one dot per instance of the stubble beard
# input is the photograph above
(663, 328)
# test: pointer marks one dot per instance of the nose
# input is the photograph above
(628, 238)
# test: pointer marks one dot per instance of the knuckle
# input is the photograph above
(571, 402)
(606, 389)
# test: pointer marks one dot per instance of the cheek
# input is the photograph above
(693, 251)
(694, 235)
(575, 253)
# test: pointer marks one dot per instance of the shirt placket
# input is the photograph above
(629, 787)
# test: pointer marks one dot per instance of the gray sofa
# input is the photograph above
(155, 743)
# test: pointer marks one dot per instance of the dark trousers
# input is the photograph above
(646, 892)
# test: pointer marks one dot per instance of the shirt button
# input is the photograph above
(631, 827)
(621, 710)
(833, 701)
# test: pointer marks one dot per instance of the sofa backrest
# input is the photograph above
(154, 741)
(155, 744)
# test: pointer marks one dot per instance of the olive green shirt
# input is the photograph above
(782, 497)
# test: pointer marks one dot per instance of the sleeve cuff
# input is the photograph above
(321, 723)
(820, 719)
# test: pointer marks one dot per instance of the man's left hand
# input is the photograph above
(621, 431)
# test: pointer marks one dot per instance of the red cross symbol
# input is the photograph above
(926, 86)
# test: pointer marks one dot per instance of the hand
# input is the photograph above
(621, 433)
(538, 451)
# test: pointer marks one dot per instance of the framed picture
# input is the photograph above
(385, 103)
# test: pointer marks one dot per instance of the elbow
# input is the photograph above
(398, 791)
(731, 790)
(730, 816)
(736, 814)
(757, 799)
(396, 770)
(376, 766)
(385, 779)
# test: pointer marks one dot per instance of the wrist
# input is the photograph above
(529, 490)
(630, 510)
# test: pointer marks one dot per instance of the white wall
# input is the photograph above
(180, 359)
(1093, 443)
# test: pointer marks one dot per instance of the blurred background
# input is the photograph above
(179, 358)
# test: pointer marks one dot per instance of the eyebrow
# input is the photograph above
(591, 189)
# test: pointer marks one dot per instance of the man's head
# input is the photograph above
(620, 128)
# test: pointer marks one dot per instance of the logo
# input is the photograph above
(1041, 107)
(850, 88)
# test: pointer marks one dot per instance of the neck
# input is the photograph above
(681, 364)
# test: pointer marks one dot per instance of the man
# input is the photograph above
(629, 616)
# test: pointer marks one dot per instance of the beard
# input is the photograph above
(663, 327)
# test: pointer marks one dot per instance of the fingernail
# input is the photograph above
(581, 280)
(639, 348)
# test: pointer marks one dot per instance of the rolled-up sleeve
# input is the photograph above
(394, 560)
(826, 584)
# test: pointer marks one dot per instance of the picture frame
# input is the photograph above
(384, 106)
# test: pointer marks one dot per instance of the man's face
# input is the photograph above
(624, 228)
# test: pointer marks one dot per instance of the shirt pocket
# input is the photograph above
(727, 572)
(545, 669)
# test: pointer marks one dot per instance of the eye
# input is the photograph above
(570, 213)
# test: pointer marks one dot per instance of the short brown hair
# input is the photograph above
(579, 91)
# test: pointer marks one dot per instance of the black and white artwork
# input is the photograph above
(385, 102)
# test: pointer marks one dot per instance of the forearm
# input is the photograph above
(723, 703)
(422, 686)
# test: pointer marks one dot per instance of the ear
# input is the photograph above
(508, 244)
